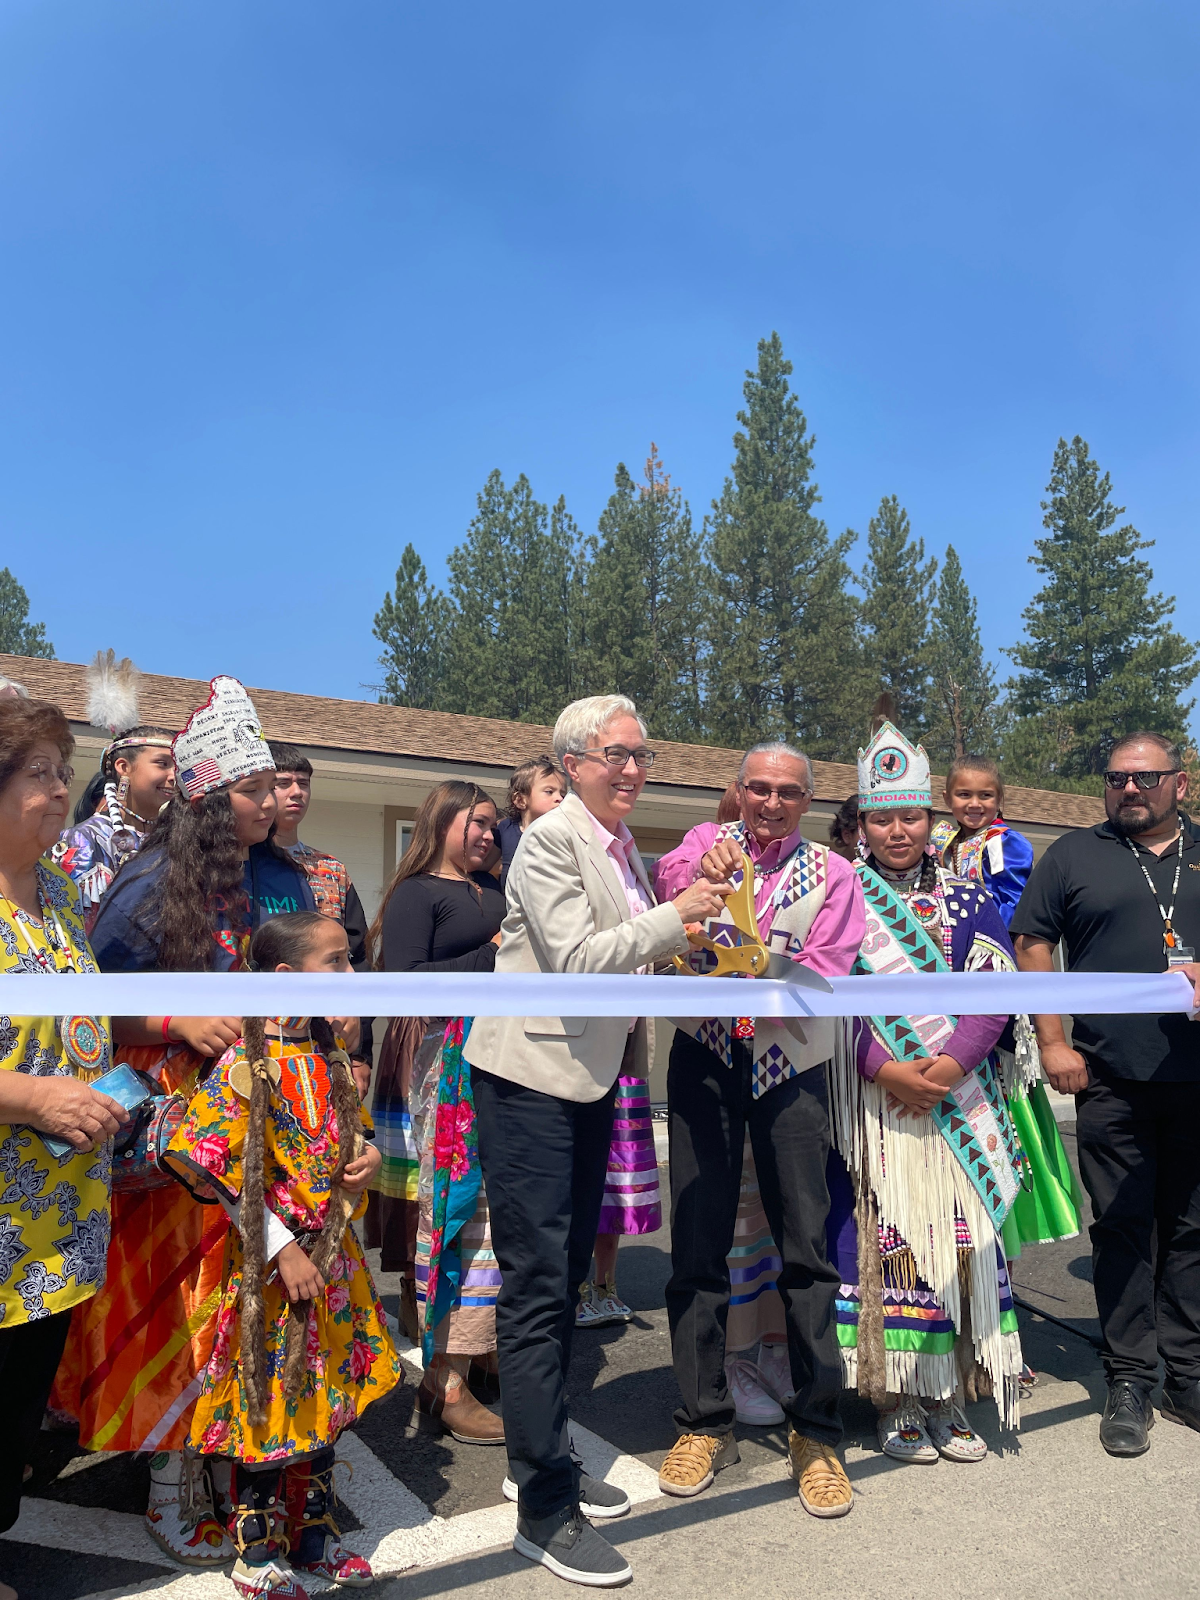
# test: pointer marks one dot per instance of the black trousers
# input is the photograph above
(710, 1107)
(544, 1162)
(29, 1357)
(1139, 1157)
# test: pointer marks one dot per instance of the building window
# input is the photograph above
(403, 838)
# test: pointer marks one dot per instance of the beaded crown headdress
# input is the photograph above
(222, 742)
(892, 772)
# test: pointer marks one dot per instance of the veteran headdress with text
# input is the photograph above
(222, 742)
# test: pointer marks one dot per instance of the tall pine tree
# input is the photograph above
(1099, 657)
(512, 643)
(785, 657)
(899, 594)
(962, 688)
(643, 605)
(411, 625)
(19, 636)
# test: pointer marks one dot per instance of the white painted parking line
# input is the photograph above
(398, 1530)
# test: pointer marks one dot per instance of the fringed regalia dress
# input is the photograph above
(918, 1202)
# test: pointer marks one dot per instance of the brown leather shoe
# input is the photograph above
(444, 1396)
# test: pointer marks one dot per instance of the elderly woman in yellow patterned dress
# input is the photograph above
(55, 1219)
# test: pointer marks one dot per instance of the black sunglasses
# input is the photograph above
(1144, 780)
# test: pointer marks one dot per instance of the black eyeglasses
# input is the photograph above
(617, 756)
(789, 794)
(1144, 780)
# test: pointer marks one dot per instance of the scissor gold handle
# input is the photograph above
(750, 954)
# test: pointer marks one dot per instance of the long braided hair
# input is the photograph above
(286, 941)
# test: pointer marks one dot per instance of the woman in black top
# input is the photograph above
(442, 913)
(445, 921)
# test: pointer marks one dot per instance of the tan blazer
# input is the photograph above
(568, 913)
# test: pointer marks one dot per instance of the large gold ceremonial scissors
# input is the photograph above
(750, 956)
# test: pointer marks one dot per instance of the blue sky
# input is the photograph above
(281, 283)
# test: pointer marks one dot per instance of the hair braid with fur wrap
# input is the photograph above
(341, 1204)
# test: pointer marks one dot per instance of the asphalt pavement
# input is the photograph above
(1047, 1513)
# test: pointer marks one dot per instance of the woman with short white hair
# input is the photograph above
(579, 900)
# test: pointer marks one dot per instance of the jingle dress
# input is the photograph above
(350, 1360)
(1050, 1209)
(930, 1292)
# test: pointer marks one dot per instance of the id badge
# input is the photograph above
(1179, 956)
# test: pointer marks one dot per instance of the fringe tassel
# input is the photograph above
(871, 1377)
(252, 1310)
(918, 1187)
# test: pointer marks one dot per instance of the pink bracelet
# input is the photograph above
(167, 1021)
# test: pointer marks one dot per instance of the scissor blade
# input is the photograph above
(781, 970)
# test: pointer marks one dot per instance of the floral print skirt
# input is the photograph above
(350, 1362)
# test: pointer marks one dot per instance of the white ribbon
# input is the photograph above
(590, 994)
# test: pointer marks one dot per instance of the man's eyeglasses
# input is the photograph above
(788, 794)
(1144, 780)
(43, 771)
(617, 756)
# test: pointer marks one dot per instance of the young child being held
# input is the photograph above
(537, 786)
(978, 843)
(301, 1346)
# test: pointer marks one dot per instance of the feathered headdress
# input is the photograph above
(112, 702)
(112, 693)
(884, 710)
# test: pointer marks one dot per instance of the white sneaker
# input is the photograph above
(775, 1371)
(952, 1434)
(611, 1307)
(902, 1434)
(587, 1312)
(751, 1402)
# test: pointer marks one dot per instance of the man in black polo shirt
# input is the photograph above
(1125, 897)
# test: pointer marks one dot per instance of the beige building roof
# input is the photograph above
(475, 742)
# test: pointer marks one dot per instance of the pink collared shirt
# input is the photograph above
(619, 848)
(838, 929)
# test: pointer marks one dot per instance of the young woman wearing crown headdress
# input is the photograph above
(925, 1166)
(206, 875)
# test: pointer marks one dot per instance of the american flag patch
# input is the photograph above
(202, 774)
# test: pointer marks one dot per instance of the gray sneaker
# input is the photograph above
(597, 1499)
(567, 1543)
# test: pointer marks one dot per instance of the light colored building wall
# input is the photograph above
(353, 832)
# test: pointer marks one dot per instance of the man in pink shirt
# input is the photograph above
(729, 1076)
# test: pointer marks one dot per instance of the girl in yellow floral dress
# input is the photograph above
(275, 1134)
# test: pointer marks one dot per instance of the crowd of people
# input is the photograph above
(180, 1270)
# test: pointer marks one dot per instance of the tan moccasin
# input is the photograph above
(694, 1460)
(821, 1478)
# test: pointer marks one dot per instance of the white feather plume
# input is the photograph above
(112, 693)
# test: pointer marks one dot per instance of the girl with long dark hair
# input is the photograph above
(442, 913)
(301, 1346)
(188, 902)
